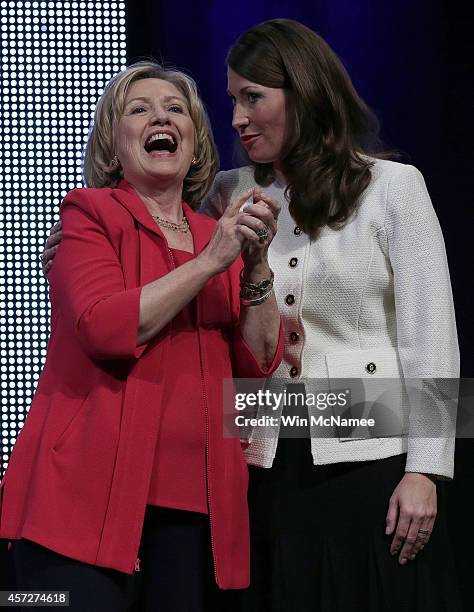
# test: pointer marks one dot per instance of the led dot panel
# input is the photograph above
(56, 58)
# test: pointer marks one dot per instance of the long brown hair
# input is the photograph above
(331, 131)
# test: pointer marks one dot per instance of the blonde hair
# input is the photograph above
(99, 171)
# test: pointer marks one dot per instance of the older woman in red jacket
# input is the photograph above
(122, 456)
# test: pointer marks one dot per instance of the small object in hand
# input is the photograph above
(247, 202)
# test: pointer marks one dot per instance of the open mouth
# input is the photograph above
(161, 142)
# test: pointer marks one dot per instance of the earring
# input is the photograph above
(115, 163)
(194, 161)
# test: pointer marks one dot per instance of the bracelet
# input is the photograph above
(249, 291)
(256, 301)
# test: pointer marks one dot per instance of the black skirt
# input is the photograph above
(318, 540)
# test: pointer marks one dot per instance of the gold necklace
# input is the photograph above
(182, 226)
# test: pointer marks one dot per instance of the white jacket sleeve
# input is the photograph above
(426, 327)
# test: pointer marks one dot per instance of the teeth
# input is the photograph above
(160, 136)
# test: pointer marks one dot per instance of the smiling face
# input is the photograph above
(260, 118)
(155, 135)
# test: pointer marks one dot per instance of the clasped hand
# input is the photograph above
(246, 229)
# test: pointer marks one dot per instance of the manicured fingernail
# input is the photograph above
(387, 530)
(403, 561)
(412, 557)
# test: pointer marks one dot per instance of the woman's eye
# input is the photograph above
(176, 109)
(253, 97)
(137, 110)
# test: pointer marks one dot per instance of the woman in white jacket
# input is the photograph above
(362, 281)
(341, 524)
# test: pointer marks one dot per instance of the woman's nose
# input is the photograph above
(159, 115)
(239, 118)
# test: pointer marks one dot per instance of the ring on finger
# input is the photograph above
(262, 234)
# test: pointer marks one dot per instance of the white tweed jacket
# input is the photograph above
(376, 291)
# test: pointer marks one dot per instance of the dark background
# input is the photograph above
(412, 63)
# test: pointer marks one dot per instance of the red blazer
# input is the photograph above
(78, 478)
